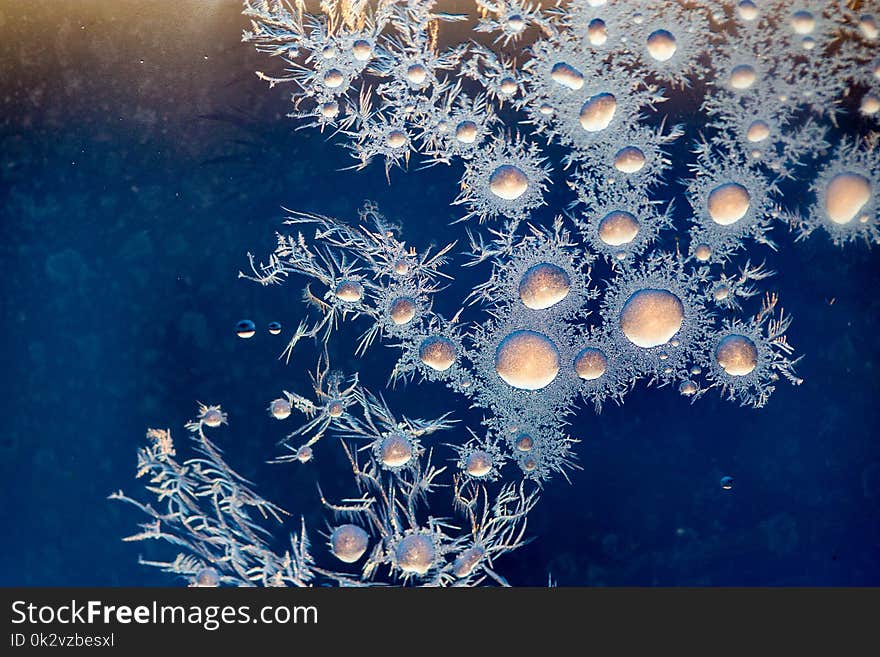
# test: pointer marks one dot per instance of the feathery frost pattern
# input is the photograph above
(637, 279)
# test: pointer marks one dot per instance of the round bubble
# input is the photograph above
(245, 329)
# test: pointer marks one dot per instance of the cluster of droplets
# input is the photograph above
(384, 532)
(524, 98)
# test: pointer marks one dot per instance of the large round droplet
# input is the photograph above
(524, 442)
(437, 352)
(737, 355)
(629, 159)
(362, 50)
(280, 409)
(516, 23)
(245, 329)
(845, 196)
(728, 203)
(597, 32)
(350, 291)
(650, 317)
(703, 252)
(416, 74)
(618, 228)
(543, 285)
(333, 78)
(402, 310)
(661, 45)
(567, 76)
(395, 138)
(742, 76)
(802, 22)
(747, 10)
(478, 463)
(508, 182)
(870, 104)
(466, 132)
(415, 554)
(597, 112)
(527, 360)
(590, 363)
(330, 109)
(395, 450)
(348, 543)
(868, 27)
(758, 131)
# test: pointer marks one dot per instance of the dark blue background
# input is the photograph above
(140, 159)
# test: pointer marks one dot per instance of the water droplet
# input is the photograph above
(245, 329)
(726, 483)
(274, 328)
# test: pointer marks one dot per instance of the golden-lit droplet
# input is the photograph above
(618, 228)
(728, 203)
(870, 104)
(527, 360)
(661, 45)
(280, 409)
(742, 77)
(437, 352)
(845, 196)
(590, 363)
(416, 74)
(567, 76)
(395, 450)
(465, 562)
(402, 310)
(415, 553)
(597, 32)
(466, 132)
(737, 355)
(478, 463)
(362, 50)
(868, 27)
(747, 10)
(803, 22)
(245, 329)
(333, 78)
(395, 138)
(758, 131)
(703, 252)
(596, 114)
(524, 443)
(543, 285)
(350, 291)
(650, 317)
(348, 543)
(516, 23)
(629, 159)
(508, 182)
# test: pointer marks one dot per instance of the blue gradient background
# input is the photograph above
(140, 159)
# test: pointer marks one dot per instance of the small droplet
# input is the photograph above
(245, 329)
(726, 483)
(274, 328)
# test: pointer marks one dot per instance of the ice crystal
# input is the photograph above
(643, 279)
